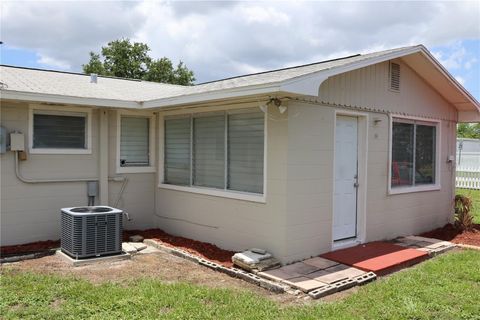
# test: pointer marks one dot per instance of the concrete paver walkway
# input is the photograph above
(378, 257)
(315, 273)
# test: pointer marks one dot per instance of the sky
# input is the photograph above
(218, 39)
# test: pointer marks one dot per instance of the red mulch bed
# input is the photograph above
(206, 250)
(29, 248)
(450, 233)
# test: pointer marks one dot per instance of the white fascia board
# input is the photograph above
(451, 78)
(213, 95)
(54, 98)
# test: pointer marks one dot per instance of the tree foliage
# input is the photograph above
(122, 58)
(468, 130)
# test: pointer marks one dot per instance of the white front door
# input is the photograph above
(346, 173)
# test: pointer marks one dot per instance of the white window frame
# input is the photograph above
(151, 143)
(224, 193)
(438, 152)
(60, 111)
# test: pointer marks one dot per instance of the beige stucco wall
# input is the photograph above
(296, 220)
(31, 212)
(235, 224)
(309, 182)
(311, 157)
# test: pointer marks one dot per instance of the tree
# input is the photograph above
(468, 130)
(121, 58)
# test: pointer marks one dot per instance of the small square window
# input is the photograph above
(57, 130)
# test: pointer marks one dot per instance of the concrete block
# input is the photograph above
(365, 278)
(128, 248)
(211, 265)
(345, 284)
(77, 263)
(322, 291)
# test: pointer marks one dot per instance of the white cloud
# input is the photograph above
(220, 39)
(52, 62)
(460, 80)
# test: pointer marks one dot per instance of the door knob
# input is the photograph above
(356, 184)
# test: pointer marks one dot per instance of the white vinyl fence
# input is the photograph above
(468, 177)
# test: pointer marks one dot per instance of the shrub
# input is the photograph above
(463, 215)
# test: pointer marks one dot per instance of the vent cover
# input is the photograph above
(394, 76)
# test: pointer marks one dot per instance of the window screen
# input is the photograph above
(134, 141)
(425, 154)
(209, 151)
(413, 153)
(177, 151)
(59, 131)
(402, 154)
(245, 152)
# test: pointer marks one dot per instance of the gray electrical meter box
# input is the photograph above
(92, 188)
(3, 140)
(17, 141)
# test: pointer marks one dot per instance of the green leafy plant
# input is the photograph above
(463, 214)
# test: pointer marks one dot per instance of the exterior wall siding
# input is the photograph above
(311, 150)
(309, 180)
(369, 87)
(295, 222)
(31, 212)
(230, 223)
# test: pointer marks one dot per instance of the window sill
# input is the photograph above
(217, 193)
(401, 190)
(136, 169)
(60, 151)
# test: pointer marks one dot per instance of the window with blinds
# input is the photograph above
(59, 131)
(209, 151)
(220, 150)
(177, 151)
(245, 151)
(134, 141)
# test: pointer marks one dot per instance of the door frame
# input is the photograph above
(362, 156)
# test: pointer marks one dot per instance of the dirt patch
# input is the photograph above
(33, 247)
(159, 265)
(452, 234)
(206, 250)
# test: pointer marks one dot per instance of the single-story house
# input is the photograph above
(298, 161)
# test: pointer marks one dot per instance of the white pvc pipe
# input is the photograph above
(27, 180)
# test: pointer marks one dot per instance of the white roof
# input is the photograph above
(63, 87)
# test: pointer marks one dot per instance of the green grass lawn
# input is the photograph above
(475, 195)
(446, 287)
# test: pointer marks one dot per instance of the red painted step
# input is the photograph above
(379, 257)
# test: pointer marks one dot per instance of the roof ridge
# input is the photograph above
(281, 69)
(306, 65)
(87, 75)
